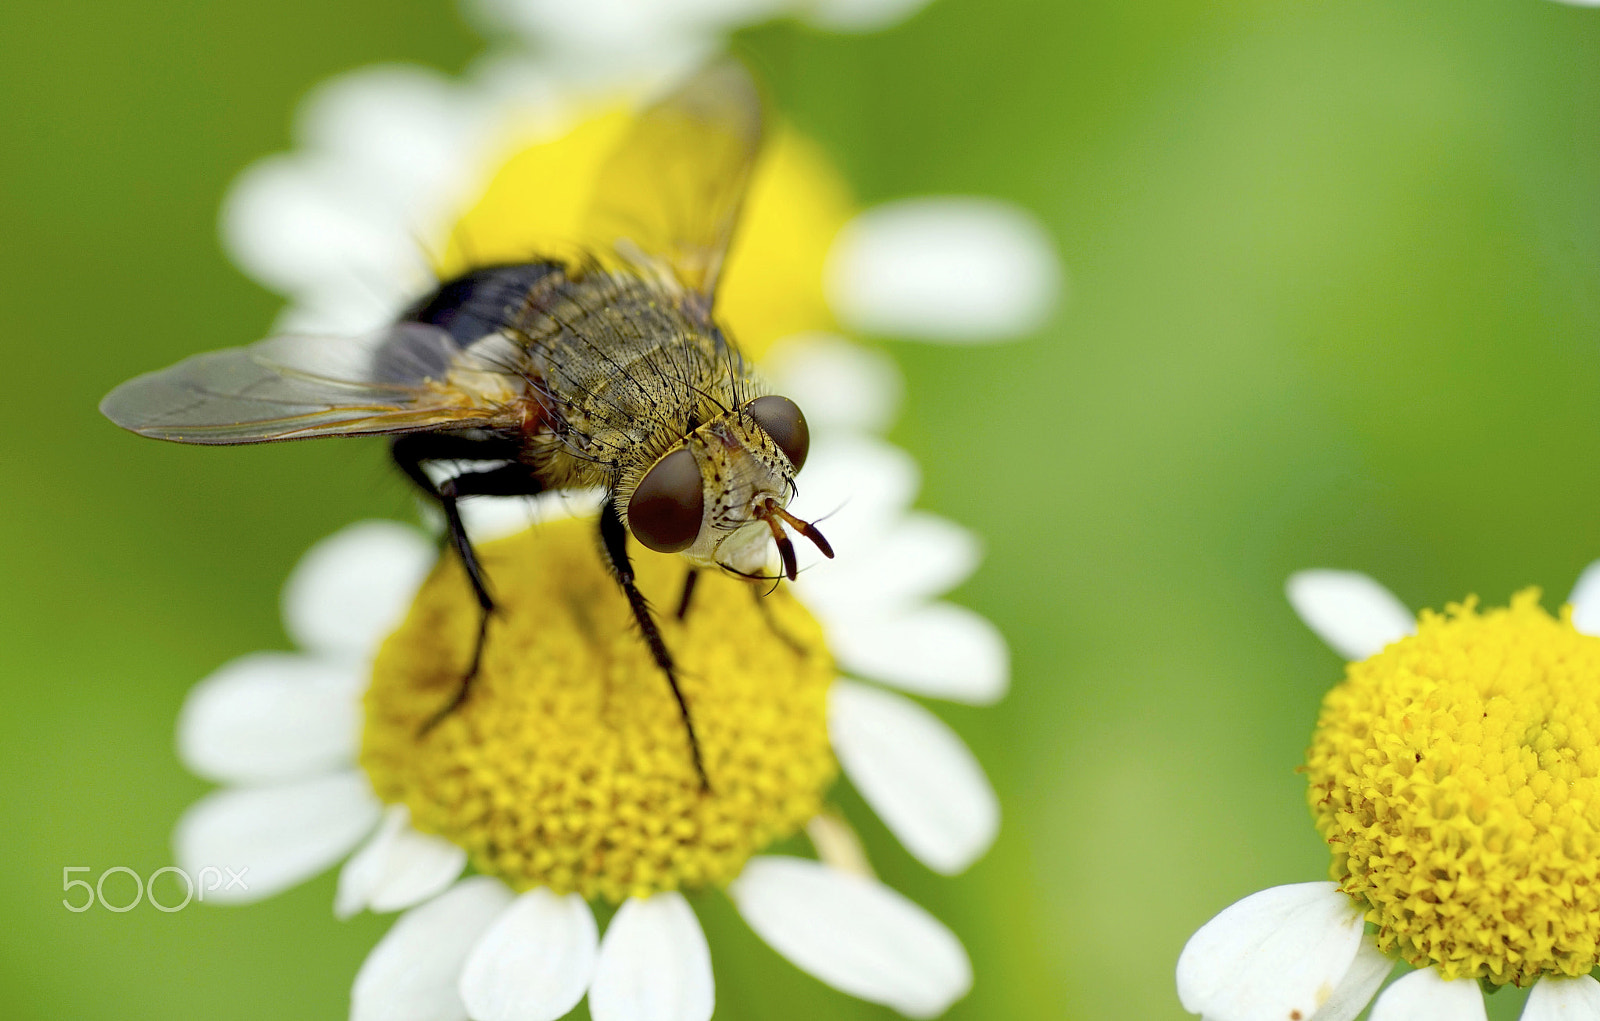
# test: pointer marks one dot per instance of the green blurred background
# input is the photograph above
(1335, 302)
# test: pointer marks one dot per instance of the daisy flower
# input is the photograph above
(566, 781)
(401, 177)
(1455, 774)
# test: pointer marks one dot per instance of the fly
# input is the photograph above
(603, 370)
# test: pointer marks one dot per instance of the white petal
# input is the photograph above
(940, 650)
(490, 518)
(863, 15)
(397, 868)
(916, 774)
(944, 268)
(411, 974)
(1287, 950)
(1564, 999)
(1355, 615)
(1585, 600)
(274, 837)
(653, 965)
(1424, 996)
(860, 486)
(853, 933)
(535, 962)
(342, 224)
(1351, 996)
(295, 223)
(351, 589)
(272, 716)
(403, 132)
(838, 384)
(922, 556)
(334, 308)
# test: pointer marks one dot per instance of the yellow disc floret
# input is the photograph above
(569, 765)
(1456, 775)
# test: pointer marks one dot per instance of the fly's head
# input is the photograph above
(721, 495)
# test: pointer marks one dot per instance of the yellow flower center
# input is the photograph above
(569, 765)
(772, 285)
(1456, 775)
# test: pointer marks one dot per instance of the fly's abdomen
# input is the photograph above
(481, 302)
(470, 308)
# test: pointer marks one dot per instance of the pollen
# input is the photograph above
(1456, 777)
(569, 765)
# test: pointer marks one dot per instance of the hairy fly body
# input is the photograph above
(604, 370)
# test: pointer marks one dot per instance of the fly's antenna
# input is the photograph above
(776, 517)
(806, 529)
(785, 548)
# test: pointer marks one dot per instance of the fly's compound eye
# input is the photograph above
(782, 420)
(664, 512)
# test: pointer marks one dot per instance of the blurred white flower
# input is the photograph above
(943, 268)
(392, 163)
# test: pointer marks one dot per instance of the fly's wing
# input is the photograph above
(406, 378)
(671, 192)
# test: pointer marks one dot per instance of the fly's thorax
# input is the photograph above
(625, 369)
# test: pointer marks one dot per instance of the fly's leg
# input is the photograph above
(506, 480)
(449, 492)
(614, 540)
(688, 592)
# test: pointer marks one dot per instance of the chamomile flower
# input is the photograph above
(402, 176)
(565, 779)
(1455, 774)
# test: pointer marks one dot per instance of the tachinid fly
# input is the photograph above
(604, 370)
